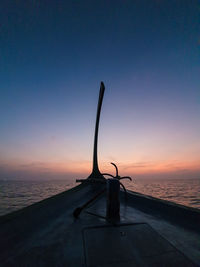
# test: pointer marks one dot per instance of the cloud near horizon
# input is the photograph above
(81, 169)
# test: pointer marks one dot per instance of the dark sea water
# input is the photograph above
(15, 195)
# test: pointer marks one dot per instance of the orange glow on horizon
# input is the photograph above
(82, 169)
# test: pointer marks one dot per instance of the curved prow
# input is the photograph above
(95, 171)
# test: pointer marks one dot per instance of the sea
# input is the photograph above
(15, 194)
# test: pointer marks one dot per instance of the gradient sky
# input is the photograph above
(53, 55)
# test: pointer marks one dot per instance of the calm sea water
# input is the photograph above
(18, 194)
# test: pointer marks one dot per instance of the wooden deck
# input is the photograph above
(150, 233)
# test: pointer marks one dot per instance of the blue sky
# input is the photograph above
(54, 55)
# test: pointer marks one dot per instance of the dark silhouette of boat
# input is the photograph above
(98, 224)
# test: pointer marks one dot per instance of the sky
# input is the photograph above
(53, 56)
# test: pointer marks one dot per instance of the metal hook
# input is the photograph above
(115, 169)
